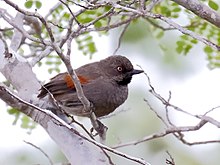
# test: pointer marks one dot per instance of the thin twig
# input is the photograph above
(74, 17)
(7, 17)
(120, 37)
(168, 131)
(157, 114)
(5, 44)
(44, 153)
(170, 161)
(167, 110)
(34, 14)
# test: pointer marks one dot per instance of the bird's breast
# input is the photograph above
(106, 97)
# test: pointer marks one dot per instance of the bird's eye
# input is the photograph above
(119, 68)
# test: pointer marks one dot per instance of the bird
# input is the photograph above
(104, 83)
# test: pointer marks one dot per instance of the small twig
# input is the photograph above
(5, 29)
(157, 114)
(5, 44)
(183, 30)
(80, 125)
(44, 153)
(34, 14)
(17, 36)
(120, 38)
(108, 13)
(112, 26)
(217, 107)
(142, 5)
(170, 161)
(7, 17)
(74, 17)
(159, 26)
(164, 101)
(167, 110)
(168, 131)
(43, 54)
(53, 9)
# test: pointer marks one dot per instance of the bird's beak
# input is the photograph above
(136, 71)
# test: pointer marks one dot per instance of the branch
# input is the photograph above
(168, 131)
(44, 153)
(170, 160)
(17, 37)
(43, 54)
(121, 36)
(183, 30)
(201, 10)
(8, 18)
(34, 14)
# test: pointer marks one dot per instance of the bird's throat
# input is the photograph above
(125, 81)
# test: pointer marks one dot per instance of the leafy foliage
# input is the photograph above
(33, 3)
(53, 62)
(193, 23)
(168, 9)
(213, 5)
(26, 122)
(86, 44)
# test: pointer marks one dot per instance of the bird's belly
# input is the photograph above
(109, 100)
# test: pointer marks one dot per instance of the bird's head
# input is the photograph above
(119, 68)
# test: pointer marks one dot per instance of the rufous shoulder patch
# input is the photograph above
(69, 81)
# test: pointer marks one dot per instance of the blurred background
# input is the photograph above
(194, 87)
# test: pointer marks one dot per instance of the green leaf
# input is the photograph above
(38, 4)
(25, 122)
(57, 70)
(160, 34)
(194, 41)
(92, 47)
(177, 9)
(87, 38)
(12, 111)
(187, 49)
(16, 113)
(86, 20)
(165, 11)
(28, 4)
(208, 49)
(98, 24)
(175, 15)
(50, 70)
(180, 43)
(66, 16)
(58, 62)
(179, 49)
(213, 5)
(185, 37)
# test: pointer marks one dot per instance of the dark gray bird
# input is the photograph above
(104, 83)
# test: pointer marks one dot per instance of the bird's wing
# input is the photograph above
(61, 84)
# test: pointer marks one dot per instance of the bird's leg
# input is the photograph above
(100, 128)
